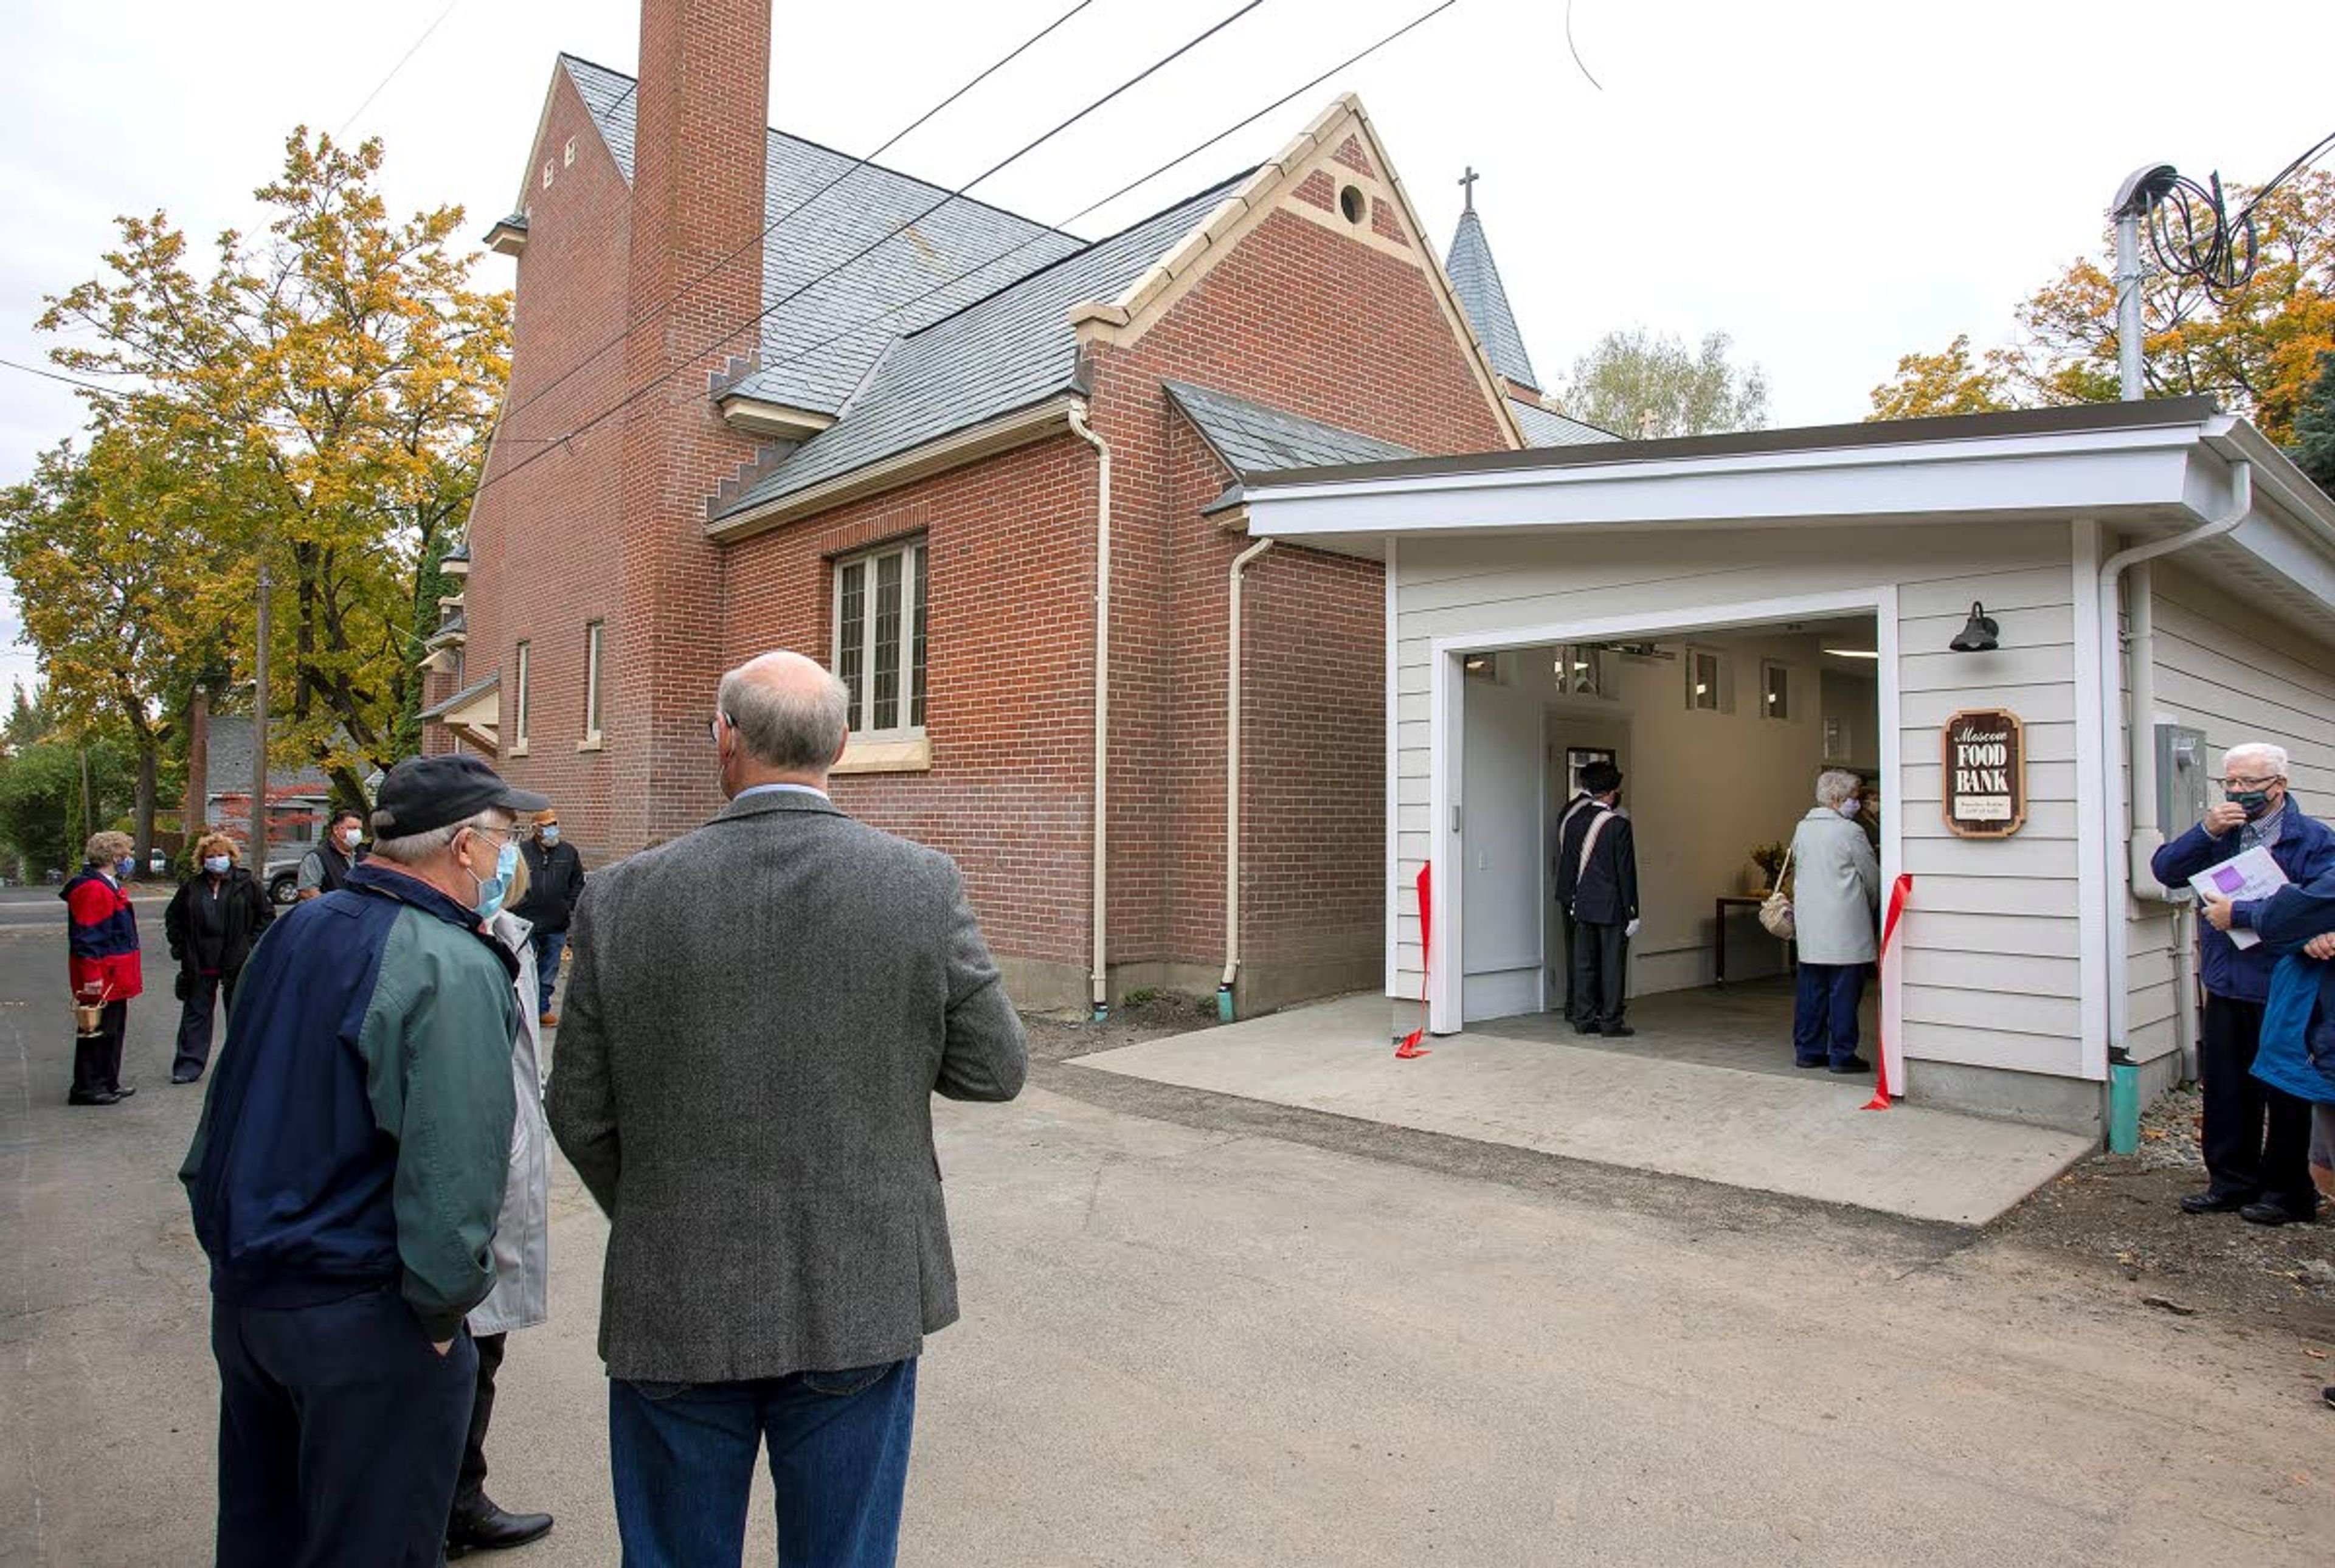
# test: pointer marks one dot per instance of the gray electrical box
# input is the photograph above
(2184, 779)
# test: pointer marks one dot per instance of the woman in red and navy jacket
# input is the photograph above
(101, 943)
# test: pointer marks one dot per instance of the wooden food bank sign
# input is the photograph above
(1985, 773)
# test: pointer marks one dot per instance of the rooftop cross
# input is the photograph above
(1468, 184)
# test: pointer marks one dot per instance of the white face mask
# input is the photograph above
(349, 836)
(1851, 809)
(215, 864)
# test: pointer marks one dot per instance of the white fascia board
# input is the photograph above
(2101, 472)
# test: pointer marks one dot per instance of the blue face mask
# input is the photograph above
(122, 867)
(492, 888)
(215, 864)
(551, 836)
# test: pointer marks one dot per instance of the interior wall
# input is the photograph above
(1694, 839)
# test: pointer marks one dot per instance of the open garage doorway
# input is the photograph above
(1720, 735)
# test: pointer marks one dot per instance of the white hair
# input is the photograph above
(788, 711)
(2275, 756)
(413, 848)
(1835, 785)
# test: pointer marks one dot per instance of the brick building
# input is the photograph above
(895, 432)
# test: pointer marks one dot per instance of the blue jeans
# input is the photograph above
(548, 946)
(682, 1458)
(1824, 1014)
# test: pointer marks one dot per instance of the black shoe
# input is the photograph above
(1853, 1065)
(99, 1097)
(1616, 1030)
(1584, 1025)
(124, 1090)
(2328, 1395)
(2214, 1203)
(185, 1078)
(1818, 1061)
(2272, 1214)
(483, 1527)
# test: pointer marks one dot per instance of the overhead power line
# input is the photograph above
(667, 304)
(644, 388)
(382, 85)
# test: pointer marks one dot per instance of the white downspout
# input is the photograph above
(2127, 861)
(1233, 780)
(1098, 978)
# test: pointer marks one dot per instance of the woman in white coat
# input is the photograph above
(1835, 887)
(520, 1250)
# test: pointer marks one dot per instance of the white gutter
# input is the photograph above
(1098, 978)
(2127, 861)
(1233, 780)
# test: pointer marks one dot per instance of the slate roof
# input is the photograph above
(1008, 352)
(1477, 280)
(228, 763)
(822, 336)
(1544, 428)
(1254, 439)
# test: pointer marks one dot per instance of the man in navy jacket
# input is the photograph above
(346, 1181)
(2256, 1139)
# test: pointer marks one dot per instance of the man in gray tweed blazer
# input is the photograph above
(757, 1016)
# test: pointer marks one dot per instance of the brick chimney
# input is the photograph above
(699, 152)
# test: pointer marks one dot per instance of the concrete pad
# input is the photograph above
(1802, 1136)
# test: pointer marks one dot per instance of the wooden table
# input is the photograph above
(1739, 901)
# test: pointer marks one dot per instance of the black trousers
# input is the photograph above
(2257, 1140)
(339, 1432)
(195, 1021)
(97, 1058)
(1564, 920)
(471, 1481)
(1600, 959)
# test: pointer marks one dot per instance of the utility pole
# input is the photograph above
(259, 849)
(2141, 190)
(88, 809)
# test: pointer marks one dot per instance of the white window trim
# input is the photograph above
(521, 661)
(1722, 676)
(892, 745)
(596, 643)
(1768, 667)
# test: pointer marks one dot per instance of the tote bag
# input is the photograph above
(1775, 909)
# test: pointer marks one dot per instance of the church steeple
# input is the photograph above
(1477, 282)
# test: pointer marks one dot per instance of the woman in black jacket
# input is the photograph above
(212, 923)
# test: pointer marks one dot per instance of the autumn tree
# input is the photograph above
(2314, 427)
(350, 375)
(1929, 385)
(1640, 385)
(2256, 348)
(115, 552)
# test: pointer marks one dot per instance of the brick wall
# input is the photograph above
(541, 539)
(1010, 651)
(700, 167)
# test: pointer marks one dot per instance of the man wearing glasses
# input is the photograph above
(2256, 1138)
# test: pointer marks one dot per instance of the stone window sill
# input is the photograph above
(518, 749)
(911, 754)
(591, 744)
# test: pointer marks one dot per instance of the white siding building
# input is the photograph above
(1732, 564)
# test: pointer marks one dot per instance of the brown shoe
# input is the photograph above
(550, 1020)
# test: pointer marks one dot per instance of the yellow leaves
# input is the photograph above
(1946, 382)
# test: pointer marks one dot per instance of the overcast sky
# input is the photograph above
(1831, 183)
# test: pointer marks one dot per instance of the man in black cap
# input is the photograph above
(1597, 884)
(345, 1180)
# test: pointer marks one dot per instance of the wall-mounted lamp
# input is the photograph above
(1980, 635)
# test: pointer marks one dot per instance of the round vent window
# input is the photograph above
(1351, 203)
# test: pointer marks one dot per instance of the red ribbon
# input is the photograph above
(1897, 896)
(1410, 1046)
